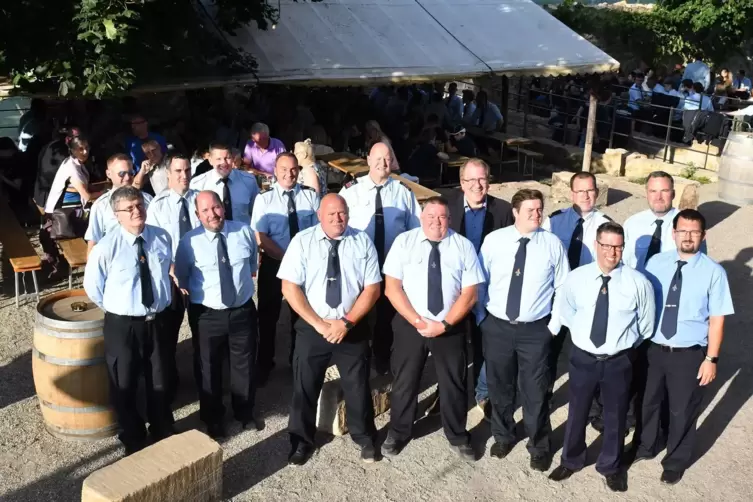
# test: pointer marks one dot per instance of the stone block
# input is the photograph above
(613, 161)
(560, 192)
(686, 193)
(186, 468)
(638, 165)
(330, 413)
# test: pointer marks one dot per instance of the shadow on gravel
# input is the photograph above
(716, 211)
(735, 358)
(615, 195)
(16, 380)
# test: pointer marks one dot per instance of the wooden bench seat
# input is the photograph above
(17, 248)
(532, 154)
(74, 251)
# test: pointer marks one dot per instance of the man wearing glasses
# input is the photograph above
(576, 227)
(128, 276)
(102, 217)
(474, 214)
(692, 297)
(609, 309)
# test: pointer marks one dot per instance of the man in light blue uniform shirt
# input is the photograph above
(454, 104)
(330, 276)
(279, 214)
(237, 189)
(698, 71)
(173, 210)
(609, 309)
(214, 266)
(383, 208)
(524, 266)
(693, 297)
(432, 275)
(650, 232)
(101, 217)
(128, 276)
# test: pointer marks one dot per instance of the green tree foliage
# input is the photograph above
(673, 30)
(98, 48)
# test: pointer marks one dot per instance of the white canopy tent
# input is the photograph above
(361, 42)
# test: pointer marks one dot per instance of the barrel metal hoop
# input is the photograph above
(43, 320)
(94, 361)
(736, 182)
(71, 409)
(102, 431)
(70, 335)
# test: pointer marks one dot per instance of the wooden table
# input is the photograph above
(498, 136)
(353, 165)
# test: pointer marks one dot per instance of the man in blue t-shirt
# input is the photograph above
(140, 130)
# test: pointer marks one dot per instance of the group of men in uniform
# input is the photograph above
(369, 274)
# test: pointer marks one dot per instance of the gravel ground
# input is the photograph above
(34, 466)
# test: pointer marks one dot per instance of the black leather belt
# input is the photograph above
(667, 348)
(143, 318)
(607, 357)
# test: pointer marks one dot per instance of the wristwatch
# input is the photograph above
(712, 359)
(447, 326)
(348, 325)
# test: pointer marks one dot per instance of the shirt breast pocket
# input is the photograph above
(206, 262)
(622, 304)
(240, 255)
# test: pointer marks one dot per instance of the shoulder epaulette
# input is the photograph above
(268, 189)
(555, 213)
(607, 217)
(306, 187)
(351, 183)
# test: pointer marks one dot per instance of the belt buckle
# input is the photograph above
(150, 317)
(602, 357)
(513, 322)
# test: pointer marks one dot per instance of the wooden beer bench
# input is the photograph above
(17, 248)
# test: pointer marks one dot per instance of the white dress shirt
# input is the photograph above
(102, 218)
(112, 279)
(165, 209)
(305, 264)
(562, 223)
(243, 190)
(545, 270)
(408, 261)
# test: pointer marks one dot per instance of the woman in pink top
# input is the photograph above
(261, 152)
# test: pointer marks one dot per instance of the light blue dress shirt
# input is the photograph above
(474, 224)
(197, 266)
(164, 212)
(631, 308)
(491, 118)
(698, 71)
(745, 81)
(102, 218)
(635, 94)
(545, 271)
(455, 109)
(638, 231)
(562, 224)
(112, 279)
(270, 215)
(243, 190)
(695, 101)
(408, 261)
(705, 293)
(401, 209)
(468, 110)
(305, 264)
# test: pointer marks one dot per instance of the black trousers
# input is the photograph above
(220, 336)
(275, 316)
(409, 354)
(517, 355)
(173, 320)
(672, 376)
(558, 342)
(475, 352)
(613, 376)
(136, 347)
(313, 355)
(380, 321)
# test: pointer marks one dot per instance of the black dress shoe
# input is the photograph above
(561, 473)
(671, 477)
(162, 433)
(368, 454)
(134, 446)
(465, 451)
(617, 482)
(300, 454)
(253, 423)
(500, 450)
(216, 431)
(392, 447)
(540, 462)
(641, 456)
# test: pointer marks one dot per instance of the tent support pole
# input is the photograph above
(590, 132)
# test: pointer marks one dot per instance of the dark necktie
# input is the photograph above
(147, 295)
(482, 116)
(227, 287)
(379, 226)
(226, 200)
(184, 224)
(672, 305)
(576, 245)
(516, 281)
(655, 245)
(334, 288)
(292, 215)
(601, 314)
(435, 301)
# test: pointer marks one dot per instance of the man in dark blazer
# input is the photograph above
(474, 214)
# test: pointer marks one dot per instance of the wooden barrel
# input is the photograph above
(68, 362)
(736, 169)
